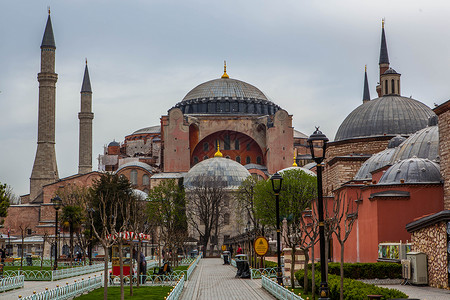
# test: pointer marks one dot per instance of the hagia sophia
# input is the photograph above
(390, 155)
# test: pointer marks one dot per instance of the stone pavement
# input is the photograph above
(213, 280)
(421, 292)
(39, 286)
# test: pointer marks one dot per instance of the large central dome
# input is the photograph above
(226, 96)
(388, 115)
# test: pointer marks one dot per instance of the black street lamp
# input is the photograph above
(318, 144)
(277, 180)
(56, 205)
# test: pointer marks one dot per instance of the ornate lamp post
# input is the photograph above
(277, 180)
(56, 205)
(318, 144)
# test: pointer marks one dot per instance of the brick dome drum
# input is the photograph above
(387, 115)
(226, 96)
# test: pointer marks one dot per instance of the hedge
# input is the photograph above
(353, 289)
(379, 270)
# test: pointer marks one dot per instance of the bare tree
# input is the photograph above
(205, 203)
(23, 227)
(345, 211)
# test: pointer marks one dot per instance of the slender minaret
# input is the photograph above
(384, 57)
(85, 115)
(366, 93)
(45, 170)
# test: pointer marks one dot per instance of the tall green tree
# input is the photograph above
(4, 201)
(298, 191)
(72, 218)
(167, 209)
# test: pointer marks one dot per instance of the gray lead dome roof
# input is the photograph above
(226, 96)
(376, 161)
(412, 170)
(231, 173)
(387, 115)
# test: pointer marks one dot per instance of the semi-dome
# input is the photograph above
(387, 115)
(307, 171)
(412, 170)
(226, 96)
(376, 161)
(423, 144)
(228, 172)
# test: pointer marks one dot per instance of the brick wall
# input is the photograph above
(443, 112)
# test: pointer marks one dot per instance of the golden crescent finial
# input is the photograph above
(382, 23)
(365, 68)
(295, 163)
(218, 153)
(86, 60)
(225, 75)
(48, 7)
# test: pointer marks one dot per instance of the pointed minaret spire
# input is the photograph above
(86, 86)
(384, 57)
(225, 75)
(48, 41)
(85, 116)
(366, 94)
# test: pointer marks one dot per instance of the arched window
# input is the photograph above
(247, 160)
(238, 159)
(236, 144)
(226, 142)
(226, 219)
(393, 86)
(205, 147)
(248, 147)
(133, 177)
(195, 160)
(205, 157)
(145, 180)
(227, 156)
(386, 87)
(259, 160)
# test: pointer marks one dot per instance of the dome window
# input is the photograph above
(259, 160)
(205, 147)
(238, 159)
(236, 144)
(145, 180)
(195, 160)
(133, 177)
(247, 160)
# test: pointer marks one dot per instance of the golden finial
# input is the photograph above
(86, 60)
(48, 7)
(225, 75)
(295, 163)
(218, 153)
(365, 68)
(382, 23)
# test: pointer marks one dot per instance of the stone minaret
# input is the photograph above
(85, 115)
(45, 170)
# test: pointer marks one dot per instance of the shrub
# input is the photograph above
(353, 289)
(365, 270)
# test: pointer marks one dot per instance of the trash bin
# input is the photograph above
(243, 268)
(226, 257)
(29, 260)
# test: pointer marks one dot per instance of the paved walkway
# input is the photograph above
(421, 292)
(39, 286)
(213, 280)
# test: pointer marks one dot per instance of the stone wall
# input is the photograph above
(443, 112)
(432, 240)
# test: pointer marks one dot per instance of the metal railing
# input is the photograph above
(30, 275)
(71, 272)
(192, 266)
(149, 280)
(277, 290)
(11, 283)
(258, 273)
(177, 290)
(68, 291)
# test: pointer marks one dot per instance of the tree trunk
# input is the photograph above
(42, 254)
(21, 255)
(342, 272)
(305, 278)
(71, 243)
(313, 274)
(122, 292)
(105, 274)
(293, 267)
(139, 264)
(131, 268)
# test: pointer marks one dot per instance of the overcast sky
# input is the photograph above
(144, 56)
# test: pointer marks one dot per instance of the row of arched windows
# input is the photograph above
(134, 178)
(248, 159)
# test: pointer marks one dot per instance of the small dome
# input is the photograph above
(387, 115)
(141, 195)
(229, 171)
(423, 144)
(396, 141)
(113, 144)
(310, 165)
(151, 129)
(226, 96)
(433, 120)
(390, 71)
(412, 170)
(307, 171)
(376, 161)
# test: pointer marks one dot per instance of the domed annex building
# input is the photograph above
(389, 160)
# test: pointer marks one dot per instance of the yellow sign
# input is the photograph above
(224, 247)
(261, 246)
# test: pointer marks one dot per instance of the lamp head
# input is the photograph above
(276, 180)
(57, 202)
(317, 144)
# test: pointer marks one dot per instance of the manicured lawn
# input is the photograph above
(180, 268)
(302, 294)
(150, 293)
